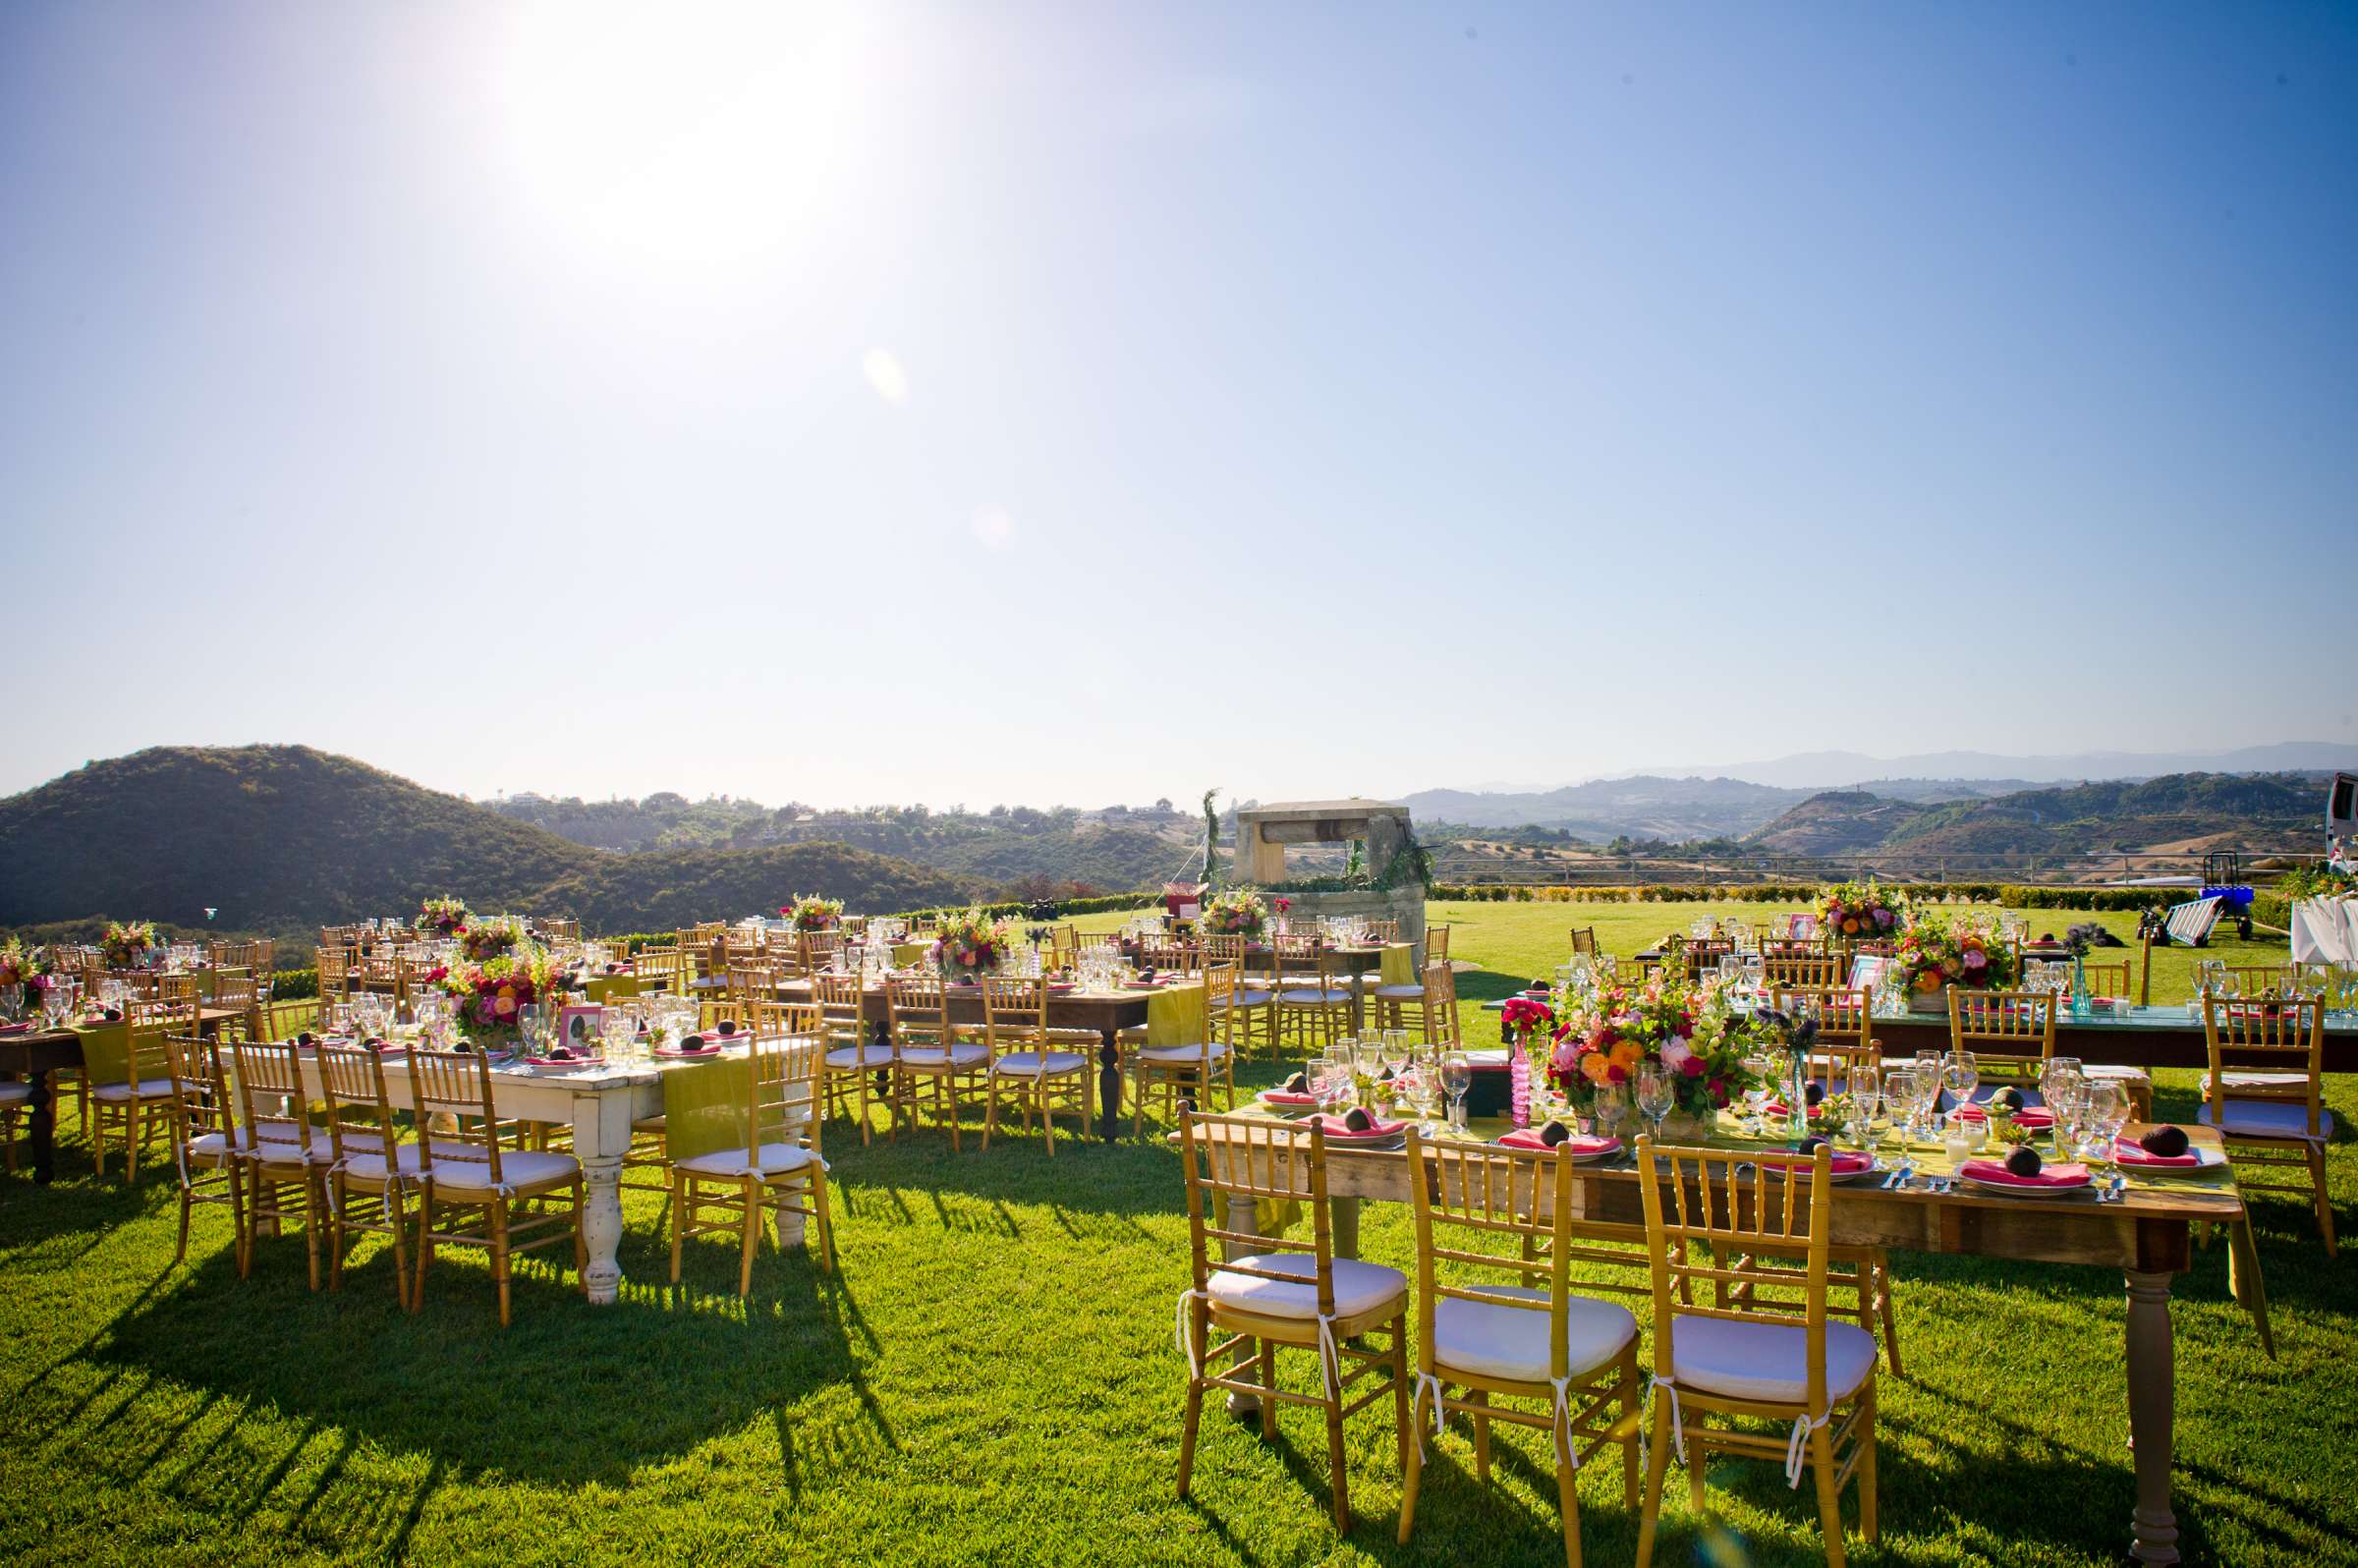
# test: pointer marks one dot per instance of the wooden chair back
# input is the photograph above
(1723, 1201)
(1814, 972)
(200, 1093)
(2264, 980)
(2282, 1040)
(1436, 942)
(751, 985)
(2109, 977)
(2009, 1031)
(1584, 939)
(842, 1001)
(1498, 1219)
(782, 1082)
(919, 1010)
(360, 1112)
(281, 1021)
(457, 1085)
(1245, 1161)
(1846, 1051)
(272, 1099)
(1015, 1013)
(1441, 1004)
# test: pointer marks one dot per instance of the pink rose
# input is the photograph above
(1693, 1067)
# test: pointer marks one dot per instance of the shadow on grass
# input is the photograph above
(568, 1396)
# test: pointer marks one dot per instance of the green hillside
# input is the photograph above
(281, 839)
(2233, 811)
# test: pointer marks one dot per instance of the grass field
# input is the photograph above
(991, 1379)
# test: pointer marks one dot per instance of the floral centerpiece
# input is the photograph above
(1936, 952)
(1238, 912)
(810, 912)
(490, 938)
(24, 970)
(444, 916)
(489, 996)
(1606, 1034)
(970, 942)
(126, 944)
(1859, 909)
(1526, 1016)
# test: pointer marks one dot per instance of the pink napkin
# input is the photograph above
(1579, 1145)
(1840, 1161)
(1995, 1172)
(1777, 1107)
(559, 1061)
(17, 1029)
(1284, 1097)
(2130, 1153)
(2033, 1118)
(1334, 1128)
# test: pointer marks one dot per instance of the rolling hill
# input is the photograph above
(281, 839)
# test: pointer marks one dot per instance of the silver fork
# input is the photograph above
(2115, 1189)
(1899, 1175)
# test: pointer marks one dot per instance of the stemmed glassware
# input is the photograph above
(1899, 1094)
(1657, 1095)
(2107, 1112)
(1458, 1076)
(533, 1028)
(1611, 1109)
(1758, 1069)
(1962, 1075)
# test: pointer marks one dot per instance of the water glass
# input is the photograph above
(1458, 1076)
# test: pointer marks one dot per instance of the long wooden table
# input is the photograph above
(2146, 1235)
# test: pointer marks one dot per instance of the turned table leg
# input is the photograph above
(601, 1154)
(2152, 1392)
(1109, 1084)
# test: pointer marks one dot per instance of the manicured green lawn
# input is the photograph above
(991, 1379)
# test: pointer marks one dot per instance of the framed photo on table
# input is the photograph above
(578, 1026)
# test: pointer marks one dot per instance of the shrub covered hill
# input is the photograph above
(282, 839)
(2179, 810)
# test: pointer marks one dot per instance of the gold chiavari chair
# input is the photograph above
(2011, 1033)
(1584, 939)
(2108, 977)
(854, 928)
(928, 1048)
(1251, 1006)
(1189, 1068)
(779, 1171)
(559, 931)
(662, 969)
(280, 1021)
(1276, 1294)
(819, 950)
(1383, 930)
(335, 966)
(751, 985)
(2262, 980)
(141, 1106)
(2265, 1093)
(924, 926)
(1442, 1027)
(1044, 1070)
(1813, 1378)
(279, 1154)
(467, 1171)
(1505, 1325)
(855, 1058)
(371, 1173)
(1314, 1005)
(205, 1139)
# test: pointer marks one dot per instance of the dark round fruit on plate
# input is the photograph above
(1358, 1119)
(2005, 1097)
(1297, 1085)
(1814, 1142)
(560, 1054)
(1814, 1093)
(1553, 1134)
(728, 1027)
(2167, 1142)
(307, 1040)
(2024, 1161)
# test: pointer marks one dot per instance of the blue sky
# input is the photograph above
(1076, 403)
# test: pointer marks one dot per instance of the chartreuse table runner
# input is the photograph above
(1399, 965)
(707, 1106)
(105, 1053)
(1180, 1016)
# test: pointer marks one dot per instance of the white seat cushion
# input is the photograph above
(371, 1167)
(518, 1168)
(277, 1150)
(775, 1159)
(1313, 998)
(211, 1148)
(1248, 999)
(1182, 1053)
(2270, 1118)
(1495, 1340)
(1765, 1360)
(145, 1089)
(958, 1056)
(1357, 1287)
(852, 1056)
(15, 1093)
(1030, 1064)
(1402, 994)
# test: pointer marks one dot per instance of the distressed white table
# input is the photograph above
(600, 1104)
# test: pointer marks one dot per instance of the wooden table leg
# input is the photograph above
(1359, 1004)
(1342, 1226)
(1109, 1085)
(601, 1153)
(42, 1127)
(2152, 1394)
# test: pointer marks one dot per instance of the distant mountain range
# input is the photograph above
(2178, 812)
(1824, 770)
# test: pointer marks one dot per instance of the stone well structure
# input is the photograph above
(1263, 831)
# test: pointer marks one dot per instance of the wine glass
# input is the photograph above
(1657, 1093)
(532, 1029)
(1899, 1091)
(2107, 1112)
(1458, 1076)
(1611, 1109)
(1758, 1069)
(1962, 1075)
